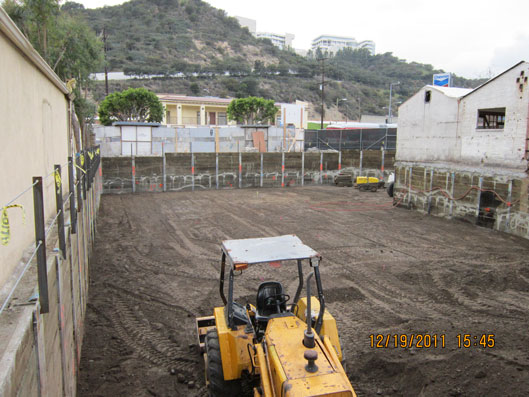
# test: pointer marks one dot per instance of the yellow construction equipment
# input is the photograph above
(364, 183)
(279, 348)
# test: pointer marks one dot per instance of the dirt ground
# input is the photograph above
(385, 270)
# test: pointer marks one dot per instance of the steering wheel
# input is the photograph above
(277, 299)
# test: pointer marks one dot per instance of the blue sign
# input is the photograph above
(442, 80)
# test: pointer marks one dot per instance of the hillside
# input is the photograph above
(214, 55)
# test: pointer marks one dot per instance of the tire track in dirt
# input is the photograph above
(147, 343)
(475, 305)
(385, 294)
(152, 265)
(228, 209)
(151, 298)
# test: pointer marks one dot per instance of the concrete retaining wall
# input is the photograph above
(494, 199)
(237, 170)
(40, 352)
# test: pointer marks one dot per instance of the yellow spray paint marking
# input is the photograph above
(58, 181)
(84, 172)
(5, 232)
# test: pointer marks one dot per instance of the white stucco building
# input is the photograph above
(251, 24)
(332, 44)
(463, 153)
(282, 41)
(486, 127)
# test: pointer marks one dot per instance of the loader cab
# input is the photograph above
(271, 299)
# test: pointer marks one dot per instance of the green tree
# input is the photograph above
(42, 15)
(252, 110)
(195, 88)
(66, 42)
(17, 12)
(249, 86)
(134, 104)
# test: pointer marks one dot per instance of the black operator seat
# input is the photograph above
(266, 305)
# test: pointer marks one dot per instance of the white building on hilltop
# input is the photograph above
(279, 40)
(251, 24)
(332, 44)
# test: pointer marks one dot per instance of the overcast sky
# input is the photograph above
(472, 38)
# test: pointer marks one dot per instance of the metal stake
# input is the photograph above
(240, 170)
(302, 168)
(71, 186)
(217, 170)
(261, 177)
(60, 210)
(164, 171)
(321, 168)
(282, 169)
(40, 242)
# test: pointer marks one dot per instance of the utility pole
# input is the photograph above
(105, 52)
(390, 94)
(322, 60)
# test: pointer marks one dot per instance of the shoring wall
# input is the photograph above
(178, 171)
(40, 352)
(43, 279)
(497, 200)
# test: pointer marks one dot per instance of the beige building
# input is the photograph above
(189, 111)
(182, 110)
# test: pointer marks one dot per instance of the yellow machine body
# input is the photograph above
(328, 327)
(233, 347)
(266, 344)
(286, 371)
(364, 179)
(279, 358)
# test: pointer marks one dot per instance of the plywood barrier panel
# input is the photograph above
(389, 160)
(228, 170)
(205, 170)
(293, 173)
(372, 159)
(118, 174)
(272, 170)
(251, 169)
(351, 158)
(149, 172)
(178, 171)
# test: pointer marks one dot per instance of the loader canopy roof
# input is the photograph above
(267, 249)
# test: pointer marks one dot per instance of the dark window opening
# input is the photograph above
(427, 96)
(491, 119)
(488, 203)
